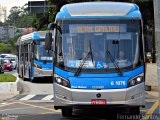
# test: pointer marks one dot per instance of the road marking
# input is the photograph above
(35, 97)
(37, 101)
(44, 113)
(27, 97)
(22, 108)
(48, 97)
(145, 110)
(40, 107)
(15, 109)
(151, 100)
(150, 111)
(3, 105)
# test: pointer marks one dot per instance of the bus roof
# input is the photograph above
(34, 36)
(109, 10)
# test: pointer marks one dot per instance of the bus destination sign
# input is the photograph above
(84, 29)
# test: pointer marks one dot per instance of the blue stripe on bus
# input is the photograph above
(106, 81)
(131, 74)
(44, 65)
(35, 35)
(99, 83)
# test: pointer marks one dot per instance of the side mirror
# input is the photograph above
(48, 41)
(54, 25)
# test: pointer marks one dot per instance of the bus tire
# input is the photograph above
(134, 110)
(23, 75)
(66, 112)
(29, 74)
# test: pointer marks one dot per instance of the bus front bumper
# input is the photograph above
(132, 96)
(42, 73)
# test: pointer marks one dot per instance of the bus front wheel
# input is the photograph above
(66, 112)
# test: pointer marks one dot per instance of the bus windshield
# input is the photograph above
(41, 53)
(121, 38)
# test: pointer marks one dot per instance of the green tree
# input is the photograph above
(40, 21)
(5, 48)
(12, 43)
(19, 17)
(14, 16)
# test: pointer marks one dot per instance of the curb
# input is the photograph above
(11, 87)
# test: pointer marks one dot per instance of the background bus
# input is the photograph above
(33, 60)
(99, 60)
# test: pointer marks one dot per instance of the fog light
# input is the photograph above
(132, 82)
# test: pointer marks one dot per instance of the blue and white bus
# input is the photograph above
(99, 57)
(33, 59)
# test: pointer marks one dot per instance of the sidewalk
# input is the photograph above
(5, 97)
(151, 75)
(152, 80)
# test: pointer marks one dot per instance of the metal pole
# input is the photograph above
(14, 23)
(157, 38)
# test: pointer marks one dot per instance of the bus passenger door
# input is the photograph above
(29, 60)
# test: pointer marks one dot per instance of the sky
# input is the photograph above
(10, 3)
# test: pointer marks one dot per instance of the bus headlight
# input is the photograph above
(62, 82)
(135, 81)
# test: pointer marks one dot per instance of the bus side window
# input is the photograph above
(59, 43)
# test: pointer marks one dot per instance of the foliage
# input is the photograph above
(40, 21)
(7, 78)
(19, 17)
(4, 48)
(146, 8)
(10, 46)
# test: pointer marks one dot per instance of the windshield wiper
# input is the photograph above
(84, 59)
(115, 64)
(90, 50)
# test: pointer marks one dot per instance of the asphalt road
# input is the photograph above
(44, 111)
(36, 103)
